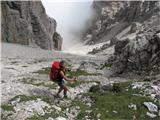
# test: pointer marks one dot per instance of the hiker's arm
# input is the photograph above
(65, 77)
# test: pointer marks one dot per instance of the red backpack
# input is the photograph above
(54, 70)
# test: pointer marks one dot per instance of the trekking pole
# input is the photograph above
(69, 91)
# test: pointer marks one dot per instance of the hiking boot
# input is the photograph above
(57, 96)
(65, 96)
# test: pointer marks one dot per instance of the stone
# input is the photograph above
(116, 88)
(151, 107)
(107, 87)
(56, 107)
(88, 111)
(115, 112)
(113, 41)
(157, 96)
(24, 110)
(137, 85)
(89, 104)
(132, 106)
(139, 95)
(98, 115)
(58, 41)
(94, 88)
(120, 45)
(135, 27)
(50, 118)
(15, 101)
(151, 115)
(60, 118)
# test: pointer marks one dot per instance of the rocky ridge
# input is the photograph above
(112, 17)
(132, 28)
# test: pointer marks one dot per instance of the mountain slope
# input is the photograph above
(133, 29)
(112, 17)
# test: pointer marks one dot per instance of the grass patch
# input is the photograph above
(107, 102)
(24, 98)
(69, 73)
(7, 107)
(79, 73)
(106, 65)
(79, 83)
(44, 71)
(83, 109)
(43, 117)
(50, 85)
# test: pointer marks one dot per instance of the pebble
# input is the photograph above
(151, 107)
(133, 106)
(151, 115)
(115, 112)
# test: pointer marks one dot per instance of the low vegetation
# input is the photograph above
(79, 73)
(106, 65)
(44, 71)
(32, 81)
(7, 107)
(23, 98)
(75, 84)
(69, 73)
(114, 106)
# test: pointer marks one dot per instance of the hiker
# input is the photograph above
(60, 77)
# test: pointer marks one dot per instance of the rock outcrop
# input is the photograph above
(26, 22)
(133, 29)
(112, 17)
(57, 41)
(142, 54)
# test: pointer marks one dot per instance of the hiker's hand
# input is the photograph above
(75, 79)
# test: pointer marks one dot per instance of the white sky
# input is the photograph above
(71, 15)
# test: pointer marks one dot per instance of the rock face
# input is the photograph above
(142, 54)
(133, 28)
(26, 22)
(112, 17)
(57, 41)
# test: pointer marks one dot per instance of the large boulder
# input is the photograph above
(139, 54)
(136, 27)
(26, 22)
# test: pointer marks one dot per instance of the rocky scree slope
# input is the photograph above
(112, 17)
(133, 31)
(28, 93)
(25, 80)
(26, 22)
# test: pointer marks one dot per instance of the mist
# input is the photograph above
(71, 17)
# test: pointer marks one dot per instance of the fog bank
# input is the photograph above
(71, 17)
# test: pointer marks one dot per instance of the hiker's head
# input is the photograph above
(63, 64)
